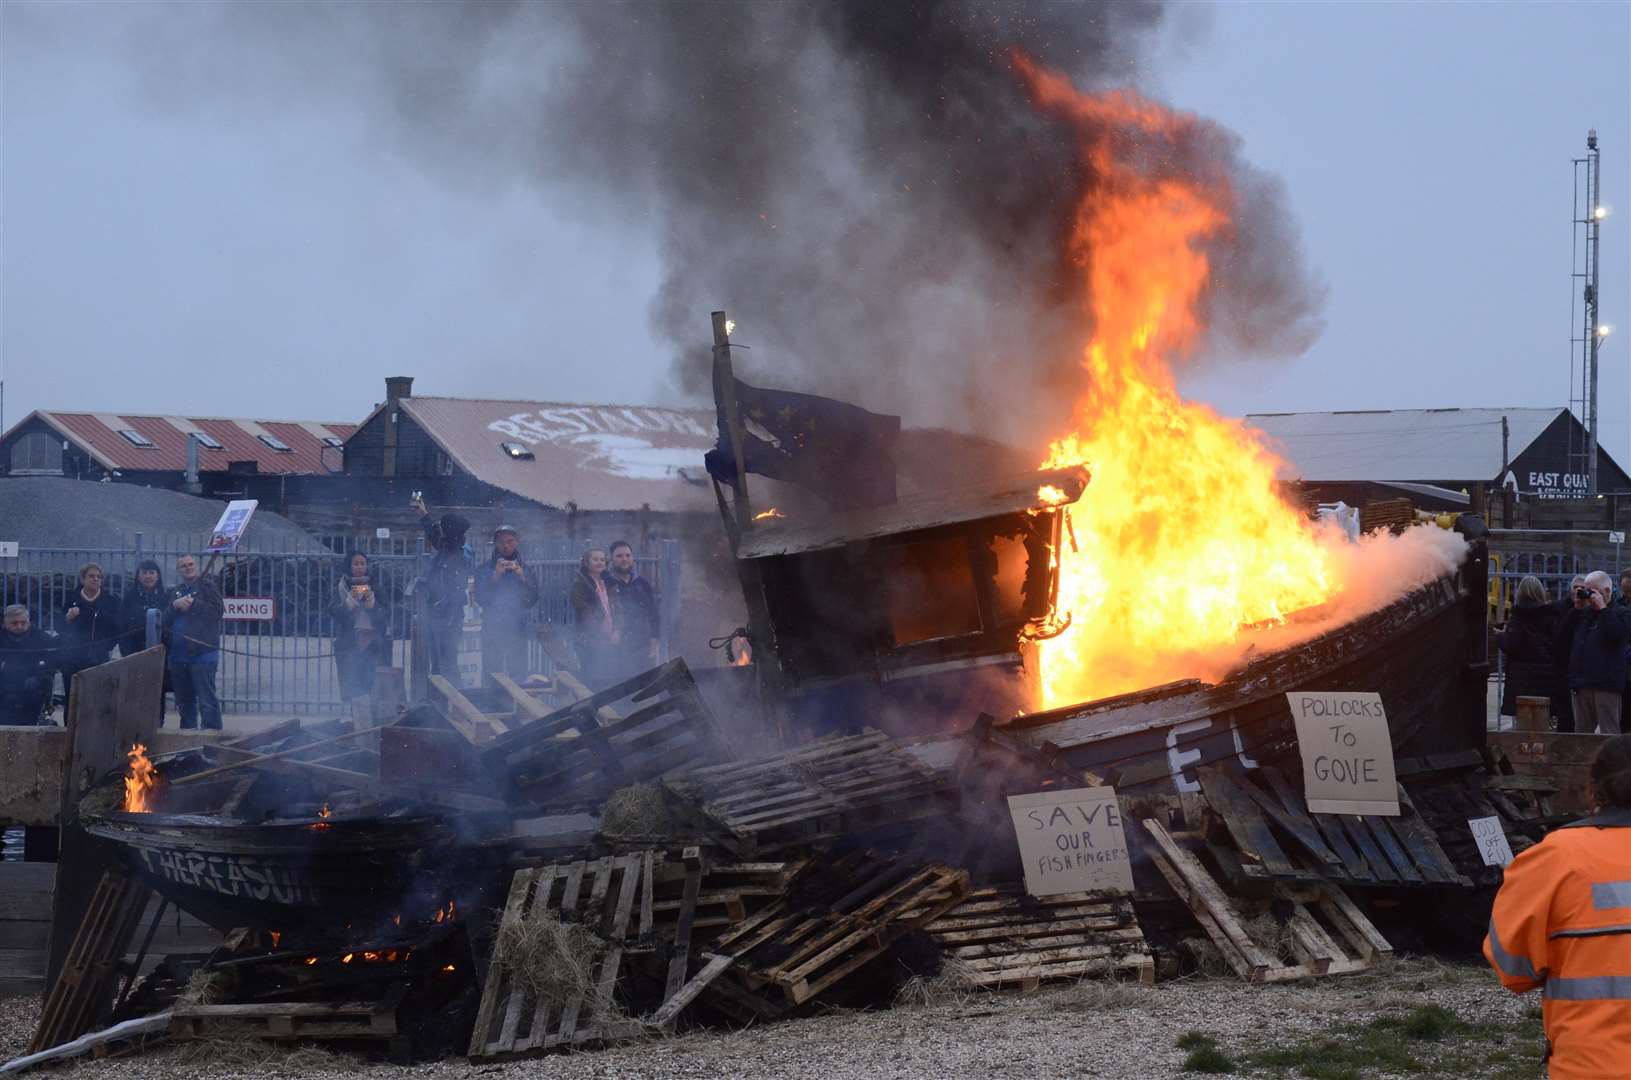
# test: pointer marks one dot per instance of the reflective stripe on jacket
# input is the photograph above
(1562, 922)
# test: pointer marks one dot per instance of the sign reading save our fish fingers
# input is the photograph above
(1347, 753)
(1072, 841)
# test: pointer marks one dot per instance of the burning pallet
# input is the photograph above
(1003, 937)
(834, 787)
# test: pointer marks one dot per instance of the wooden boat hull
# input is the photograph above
(1425, 654)
(340, 879)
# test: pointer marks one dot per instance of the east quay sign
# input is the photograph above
(1556, 485)
(567, 423)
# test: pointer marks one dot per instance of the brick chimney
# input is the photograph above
(397, 387)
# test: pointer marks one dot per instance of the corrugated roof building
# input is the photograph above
(249, 458)
(1541, 448)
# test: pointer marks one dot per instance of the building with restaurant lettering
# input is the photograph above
(1540, 452)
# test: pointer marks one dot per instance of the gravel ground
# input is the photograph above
(1092, 1029)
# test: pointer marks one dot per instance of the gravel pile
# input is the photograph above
(1093, 1029)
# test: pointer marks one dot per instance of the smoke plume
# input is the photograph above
(863, 185)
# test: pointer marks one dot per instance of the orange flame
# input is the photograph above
(325, 813)
(1182, 537)
(1049, 495)
(771, 513)
(141, 782)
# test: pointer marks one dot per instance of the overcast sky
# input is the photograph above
(279, 262)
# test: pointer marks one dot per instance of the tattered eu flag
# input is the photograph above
(840, 451)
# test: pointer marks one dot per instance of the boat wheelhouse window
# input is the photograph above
(1013, 566)
(136, 438)
(930, 590)
(275, 443)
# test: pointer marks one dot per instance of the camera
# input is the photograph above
(1582, 593)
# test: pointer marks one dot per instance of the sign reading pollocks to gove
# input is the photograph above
(1347, 753)
(1072, 841)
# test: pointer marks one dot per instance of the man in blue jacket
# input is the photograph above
(1593, 635)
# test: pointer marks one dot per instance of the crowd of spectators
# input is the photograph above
(1572, 651)
(95, 623)
(617, 634)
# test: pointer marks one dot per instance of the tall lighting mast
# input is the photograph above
(1589, 214)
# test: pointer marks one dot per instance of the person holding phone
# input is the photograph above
(91, 626)
(507, 593)
(1593, 635)
(193, 619)
(362, 634)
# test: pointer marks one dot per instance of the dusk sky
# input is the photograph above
(278, 258)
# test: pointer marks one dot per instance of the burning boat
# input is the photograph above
(265, 850)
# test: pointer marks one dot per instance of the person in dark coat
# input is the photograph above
(362, 634)
(144, 594)
(1563, 717)
(1527, 641)
(28, 662)
(1595, 633)
(634, 614)
(594, 635)
(446, 585)
(91, 627)
(193, 618)
(507, 593)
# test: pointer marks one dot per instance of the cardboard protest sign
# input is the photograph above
(1072, 841)
(230, 529)
(1347, 753)
(1491, 838)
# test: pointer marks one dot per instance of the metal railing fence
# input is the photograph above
(284, 664)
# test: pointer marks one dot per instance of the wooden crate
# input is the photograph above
(798, 947)
(82, 996)
(1003, 937)
(633, 732)
(834, 787)
(728, 892)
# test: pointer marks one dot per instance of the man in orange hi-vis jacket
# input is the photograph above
(1562, 922)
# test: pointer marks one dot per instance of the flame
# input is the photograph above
(346, 959)
(140, 783)
(448, 969)
(310, 961)
(765, 514)
(1182, 537)
(1049, 495)
(447, 914)
(324, 813)
(276, 936)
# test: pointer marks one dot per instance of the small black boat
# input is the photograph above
(318, 872)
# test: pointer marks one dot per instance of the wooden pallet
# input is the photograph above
(727, 894)
(294, 1021)
(630, 733)
(1003, 937)
(834, 787)
(1354, 945)
(82, 996)
(799, 947)
(1276, 838)
(612, 897)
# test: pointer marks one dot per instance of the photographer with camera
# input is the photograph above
(1593, 636)
(506, 592)
(362, 635)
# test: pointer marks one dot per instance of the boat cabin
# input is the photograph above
(934, 585)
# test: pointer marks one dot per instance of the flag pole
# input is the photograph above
(725, 401)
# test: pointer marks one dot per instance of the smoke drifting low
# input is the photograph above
(863, 185)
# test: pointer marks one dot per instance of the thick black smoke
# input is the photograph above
(862, 184)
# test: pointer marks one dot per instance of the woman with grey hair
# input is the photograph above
(1526, 643)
